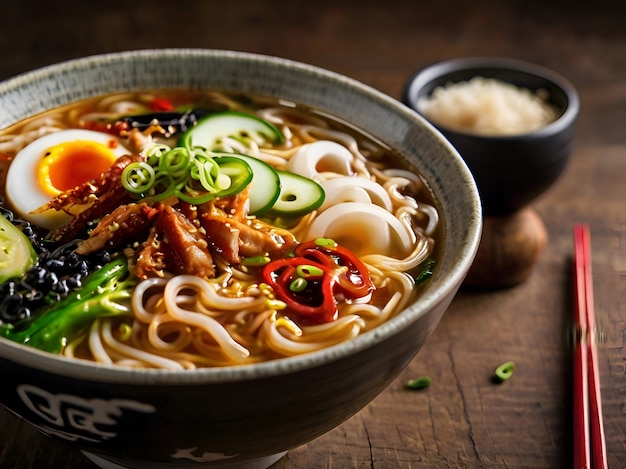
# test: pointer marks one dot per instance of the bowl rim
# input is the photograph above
(434, 71)
(82, 369)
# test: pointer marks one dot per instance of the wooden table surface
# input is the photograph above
(463, 420)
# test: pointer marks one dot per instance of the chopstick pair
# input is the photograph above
(589, 441)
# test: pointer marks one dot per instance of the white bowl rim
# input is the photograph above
(86, 370)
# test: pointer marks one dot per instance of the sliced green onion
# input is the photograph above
(194, 175)
(222, 182)
(306, 271)
(255, 261)
(298, 285)
(138, 177)
(171, 187)
(419, 383)
(426, 273)
(504, 372)
(175, 162)
(326, 242)
(206, 172)
(238, 172)
(125, 331)
(155, 152)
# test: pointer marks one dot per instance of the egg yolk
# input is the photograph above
(69, 164)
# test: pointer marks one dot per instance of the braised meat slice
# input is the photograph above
(222, 236)
(258, 238)
(186, 243)
(151, 256)
(93, 199)
(235, 206)
(124, 224)
(234, 239)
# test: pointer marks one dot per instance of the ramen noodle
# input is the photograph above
(185, 229)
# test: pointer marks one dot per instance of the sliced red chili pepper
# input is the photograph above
(161, 104)
(353, 281)
(312, 302)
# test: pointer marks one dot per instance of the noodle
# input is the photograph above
(105, 334)
(175, 303)
(343, 329)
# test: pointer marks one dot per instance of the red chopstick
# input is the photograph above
(589, 440)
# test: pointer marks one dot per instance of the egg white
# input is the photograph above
(22, 188)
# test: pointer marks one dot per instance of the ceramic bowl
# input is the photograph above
(246, 416)
(510, 171)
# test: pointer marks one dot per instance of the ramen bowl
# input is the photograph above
(248, 415)
(514, 169)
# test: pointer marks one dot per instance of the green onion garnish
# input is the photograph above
(307, 270)
(419, 383)
(298, 284)
(192, 174)
(426, 273)
(504, 372)
(138, 177)
(255, 261)
(325, 242)
(125, 331)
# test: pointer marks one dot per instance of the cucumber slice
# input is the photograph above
(264, 187)
(16, 253)
(298, 195)
(212, 129)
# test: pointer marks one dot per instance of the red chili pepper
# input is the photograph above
(353, 281)
(161, 104)
(320, 273)
(312, 300)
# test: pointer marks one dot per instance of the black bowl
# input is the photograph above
(512, 170)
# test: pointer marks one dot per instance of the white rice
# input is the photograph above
(486, 106)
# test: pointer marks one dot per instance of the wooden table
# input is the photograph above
(463, 420)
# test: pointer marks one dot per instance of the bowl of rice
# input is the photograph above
(511, 121)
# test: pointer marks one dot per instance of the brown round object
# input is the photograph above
(509, 248)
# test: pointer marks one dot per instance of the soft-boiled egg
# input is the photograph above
(55, 163)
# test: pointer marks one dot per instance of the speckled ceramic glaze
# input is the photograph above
(241, 416)
(510, 171)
